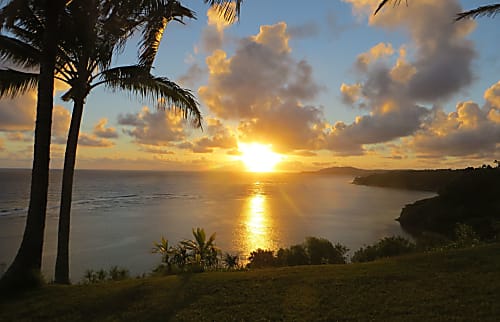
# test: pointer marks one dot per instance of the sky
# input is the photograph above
(321, 83)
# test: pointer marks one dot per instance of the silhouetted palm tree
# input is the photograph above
(25, 269)
(94, 32)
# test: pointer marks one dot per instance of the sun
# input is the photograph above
(258, 157)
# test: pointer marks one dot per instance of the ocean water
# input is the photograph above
(117, 215)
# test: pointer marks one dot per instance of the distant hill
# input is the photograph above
(346, 171)
(426, 180)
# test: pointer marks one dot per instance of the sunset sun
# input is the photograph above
(258, 157)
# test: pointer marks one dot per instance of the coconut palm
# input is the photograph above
(483, 11)
(92, 65)
(25, 269)
(94, 32)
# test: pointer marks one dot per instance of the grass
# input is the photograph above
(460, 285)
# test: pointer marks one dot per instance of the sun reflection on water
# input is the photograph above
(258, 221)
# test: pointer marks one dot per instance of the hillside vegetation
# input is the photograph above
(458, 285)
(468, 196)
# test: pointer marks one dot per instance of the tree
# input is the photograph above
(488, 10)
(118, 20)
(99, 30)
(25, 270)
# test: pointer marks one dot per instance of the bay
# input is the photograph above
(117, 215)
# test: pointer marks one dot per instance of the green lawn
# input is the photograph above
(461, 285)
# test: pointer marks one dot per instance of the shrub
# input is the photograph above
(322, 251)
(386, 247)
(262, 258)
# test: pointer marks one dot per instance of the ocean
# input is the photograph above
(117, 215)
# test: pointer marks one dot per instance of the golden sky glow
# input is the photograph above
(258, 157)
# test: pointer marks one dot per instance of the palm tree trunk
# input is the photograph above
(25, 270)
(62, 260)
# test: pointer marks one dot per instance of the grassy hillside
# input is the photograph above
(461, 285)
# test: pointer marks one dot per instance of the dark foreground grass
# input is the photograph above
(461, 285)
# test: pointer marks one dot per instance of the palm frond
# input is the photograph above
(165, 93)
(14, 83)
(19, 52)
(483, 11)
(384, 2)
(226, 9)
(158, 15)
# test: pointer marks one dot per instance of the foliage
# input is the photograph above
(115, 273)
(313, 251)
(195, 255)
(464, 236)
(231, 261)
(386, 247)
(262, 258)
(322, 251)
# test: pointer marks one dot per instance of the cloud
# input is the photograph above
(18, 136)
(90, 140)
(61, 119)
(375, 53)
(264, 88)
(492, 95)
(212, 37)
(443, 57)
(350, 93)
(306, 30)
(440, 66)
(193, 75)
(18, 114)
(101, 131)
(154, 128)
(468, 131)
(155, 149)
(218, 136)
(348, 139)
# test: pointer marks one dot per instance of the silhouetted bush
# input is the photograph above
(262, 258)
(293, 256)
(115, 273)
(386, 247)
(322, 251)
(313, 251)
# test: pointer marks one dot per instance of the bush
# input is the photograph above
(386, 247)
(115, 273)
(322, 251)
(262, 258)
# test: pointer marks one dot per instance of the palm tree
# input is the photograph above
(25, 270)
(120, 19)
(488, 10)
(92, 67)
(204, 251)
(84, 57)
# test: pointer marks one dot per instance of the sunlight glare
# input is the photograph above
(258, 157)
